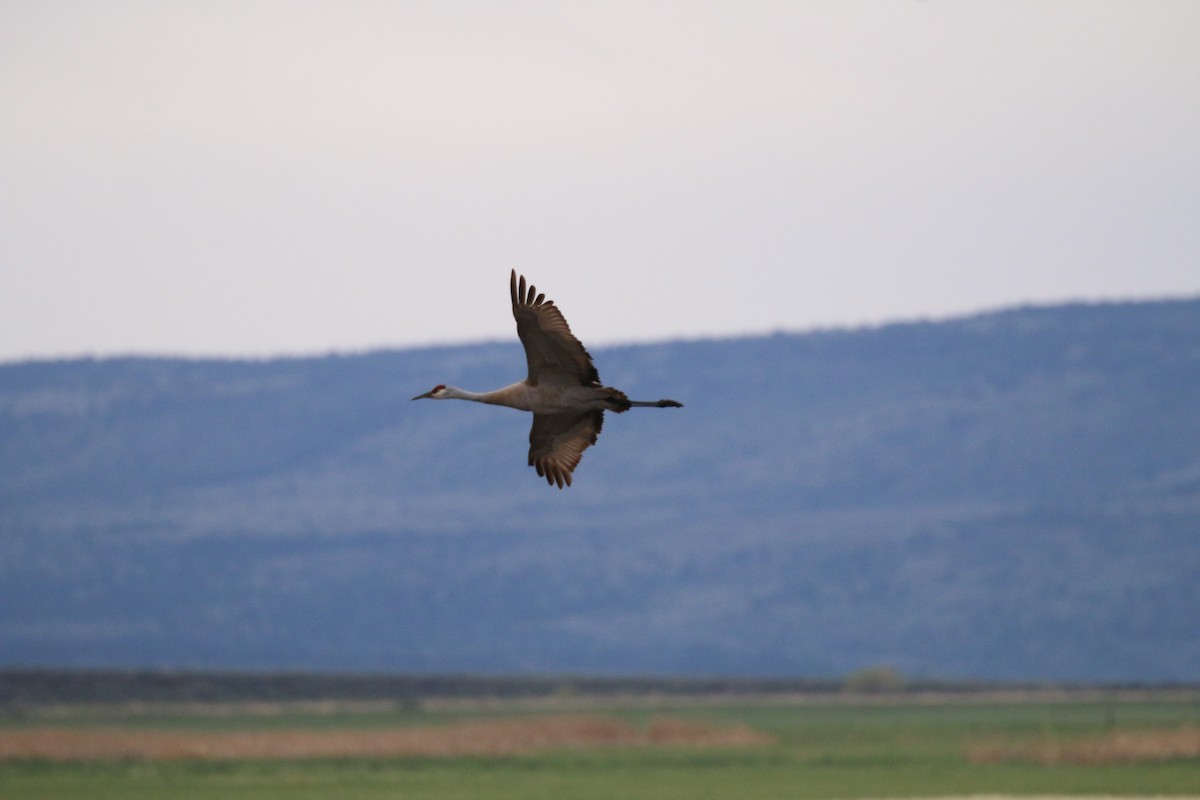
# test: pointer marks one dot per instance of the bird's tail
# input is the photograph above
(616, 400)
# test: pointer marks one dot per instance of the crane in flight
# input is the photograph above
(562, 389)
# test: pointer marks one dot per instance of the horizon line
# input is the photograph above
(122, 354)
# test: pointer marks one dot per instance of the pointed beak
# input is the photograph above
(427, 394)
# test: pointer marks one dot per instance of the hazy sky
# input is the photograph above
(253, 178)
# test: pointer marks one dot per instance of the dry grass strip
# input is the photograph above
(1113, 748)
(492, 737)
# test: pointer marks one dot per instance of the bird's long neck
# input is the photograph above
(454, 393)
(508, 396)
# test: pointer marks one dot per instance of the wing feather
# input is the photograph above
(557, 442)
(552, 353)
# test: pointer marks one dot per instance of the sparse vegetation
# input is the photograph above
(820, 746)
(1117, 747)
(875, 680)
(489, 737)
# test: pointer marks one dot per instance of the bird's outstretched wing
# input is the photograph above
(557, 442)
(552, 352)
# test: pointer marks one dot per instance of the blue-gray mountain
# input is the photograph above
(1014, 495)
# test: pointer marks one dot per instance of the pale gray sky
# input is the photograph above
(252, 178)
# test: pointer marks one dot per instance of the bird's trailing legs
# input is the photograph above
(655, 404)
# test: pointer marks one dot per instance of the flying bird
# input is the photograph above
(563, 388)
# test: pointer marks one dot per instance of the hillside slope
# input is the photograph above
(1011, 495)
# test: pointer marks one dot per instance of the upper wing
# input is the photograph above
(552, 352)
(557, 442)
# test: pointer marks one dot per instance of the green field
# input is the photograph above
(836, 750)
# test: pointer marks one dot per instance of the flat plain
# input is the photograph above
(664, 748)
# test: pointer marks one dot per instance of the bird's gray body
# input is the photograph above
(542, 399)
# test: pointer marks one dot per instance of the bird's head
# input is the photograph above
(436, 393)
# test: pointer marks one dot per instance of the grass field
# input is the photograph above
(695, 751)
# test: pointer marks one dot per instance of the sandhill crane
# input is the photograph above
(562, 390)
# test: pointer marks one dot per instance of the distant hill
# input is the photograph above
(1014, 495)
